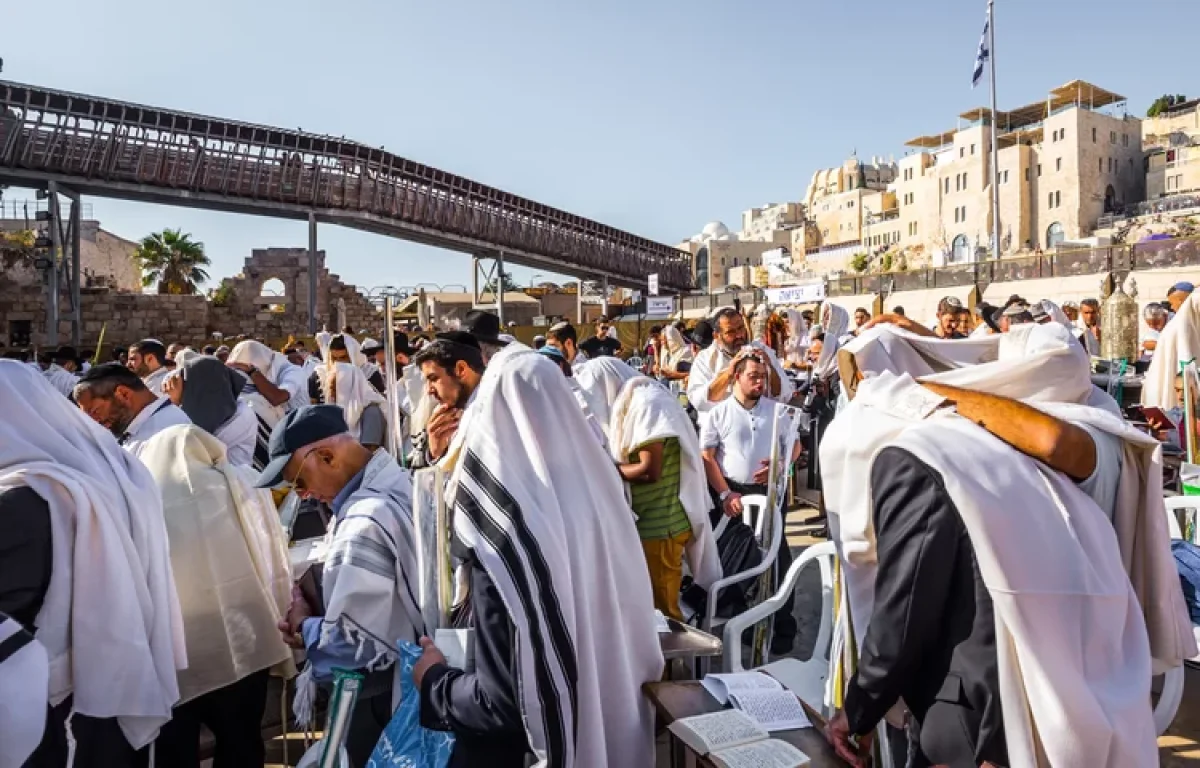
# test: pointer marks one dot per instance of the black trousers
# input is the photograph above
(99, 743)
(234, 714)
(785, 619)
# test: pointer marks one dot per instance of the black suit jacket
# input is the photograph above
(932, 636)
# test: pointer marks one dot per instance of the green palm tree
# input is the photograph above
(173, 260)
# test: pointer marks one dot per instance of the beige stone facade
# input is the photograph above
(105, 259)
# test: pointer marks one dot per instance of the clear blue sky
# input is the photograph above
(655, 116)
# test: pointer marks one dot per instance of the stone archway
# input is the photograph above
(270, 288)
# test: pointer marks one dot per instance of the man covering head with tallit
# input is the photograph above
(1019, 611)
(83, 522)
(556, 585)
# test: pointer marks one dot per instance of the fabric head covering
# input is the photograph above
(24, 678)
(229, 557)
(352, 391)
(562, 552)
(112, 570)
(798, 338)
(353, 349)
(210, 391)
(323, 338)
(268, 362)
(678, 350)
(835, 321)
(1055, 312)
(183, 355)
(601, 380)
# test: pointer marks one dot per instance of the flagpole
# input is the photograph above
(995, 133)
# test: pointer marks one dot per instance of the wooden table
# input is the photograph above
(675, 700)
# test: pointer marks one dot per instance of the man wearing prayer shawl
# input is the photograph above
(369, 575)
(711, 379)
(556, 585)
(1019, 611)
(273, 387)
(229, 557)
(207, 390)
(84, 565)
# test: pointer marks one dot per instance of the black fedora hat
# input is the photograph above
(484, 326)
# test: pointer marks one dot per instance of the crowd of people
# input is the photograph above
(1012, 616)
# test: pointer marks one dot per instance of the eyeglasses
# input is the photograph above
(297, 483)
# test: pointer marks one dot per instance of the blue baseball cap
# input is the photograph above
(1183, 287)
(301, 427)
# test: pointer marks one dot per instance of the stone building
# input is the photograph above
(1172, 144)
(238, 306)
(104, 258)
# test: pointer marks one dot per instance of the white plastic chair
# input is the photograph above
(1172, 689)
(804, 678)
(750, 505)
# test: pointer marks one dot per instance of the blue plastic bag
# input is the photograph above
(404, 743)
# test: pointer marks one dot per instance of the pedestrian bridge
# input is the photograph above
(106, 148)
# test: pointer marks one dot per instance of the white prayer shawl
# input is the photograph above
(676, 349)
(835, 321)
(371, 567)
(61, 379)
(1178, 342)
(323, 338)
(229, 556)
(154, 382)
(352, 391)
(412, 387)
(646, 412)
(600, 381)
(110, 621)
(798, 339)
(1042, 366)
(1056, 314)
(592, 421)
(567, 564)
(24, 679)
(714, 360)
(270, 363)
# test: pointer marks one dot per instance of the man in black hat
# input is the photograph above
(485, 327)
(364, 602)
(452, 366)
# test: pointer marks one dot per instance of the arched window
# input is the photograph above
(1055, 235)
(702, 269)
(961, 250)
(273, 287)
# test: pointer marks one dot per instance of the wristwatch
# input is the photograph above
(725, 494)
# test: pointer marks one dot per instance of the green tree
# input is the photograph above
(859, 262)
(886, 265)
(509, 284)
(173, 260)
(1165, 102)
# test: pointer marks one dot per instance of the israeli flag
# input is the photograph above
(983, 55)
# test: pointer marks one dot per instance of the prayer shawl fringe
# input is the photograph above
(110, 622)
(568, 566)
(645, 412)
(229, 555)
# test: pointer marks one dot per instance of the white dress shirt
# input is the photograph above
(154, 382)
(154, 418)
(240, 436)
(742, 437)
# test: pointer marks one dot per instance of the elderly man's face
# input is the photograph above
(1176, 299)
(314, 473)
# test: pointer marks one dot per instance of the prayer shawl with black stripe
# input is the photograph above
(25, 680)
(370, 568)
(561, 547)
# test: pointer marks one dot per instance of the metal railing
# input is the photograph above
(1155, 254)
(26, 210)
(103, 144)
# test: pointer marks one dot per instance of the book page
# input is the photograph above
(720, 686)
(761, 754)
(773, 710)
(718, 730)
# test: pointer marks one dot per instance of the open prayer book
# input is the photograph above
(760, 696)
(731, 739)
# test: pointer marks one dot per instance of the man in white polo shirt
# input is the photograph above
(736, 444)
(116, 399)
(147, 359)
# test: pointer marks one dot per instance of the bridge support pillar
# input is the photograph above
(488, 279)
(579, 304)
(604, 297)
(500, 293)
(312, 274)
(64, 263)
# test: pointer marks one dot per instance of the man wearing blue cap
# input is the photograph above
(366, 591)
(1178, 294)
